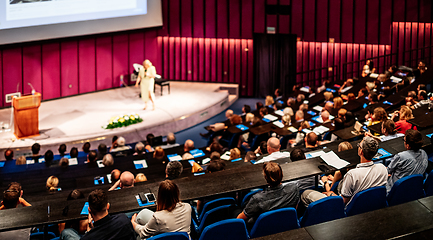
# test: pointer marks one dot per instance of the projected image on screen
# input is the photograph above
(26, 13)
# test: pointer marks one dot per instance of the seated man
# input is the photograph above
(9, 155)
(412, 161)
(126, 180)
(102, 225)
(188, 146)
(274, 197)
(365, 175)
(273, 148)
(173, 170)
(120, 145)
(311, 142)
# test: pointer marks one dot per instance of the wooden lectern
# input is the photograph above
(26, 115)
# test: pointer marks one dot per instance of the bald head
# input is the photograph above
(189, 145)
(127, 180)
(229, 114)
(329, 106)
(299, 115)
(273, 145)
(325, 115)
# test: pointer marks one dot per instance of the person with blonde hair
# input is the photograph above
(379, 115)
(146, 81)
(343, 146)
(21, 160)
(249, 118)
(140, 178)
(235, 153)
(52, 183)
(328, 96)
(338, 103)
(402, 124)
(269, 101)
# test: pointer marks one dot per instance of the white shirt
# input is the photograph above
(273, 156)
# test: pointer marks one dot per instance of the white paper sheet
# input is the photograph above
(318, 108)
(226, 156)
(346, 89)
(314, 154)
(175, 158)
(270, 117)
(279, 112)
(74, 161)
(320, 130)
(141, 162)
(292, 129)
(30, 161)
(279, 124)
(100, 164)
(333, 160)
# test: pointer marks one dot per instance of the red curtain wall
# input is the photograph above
(205, 40)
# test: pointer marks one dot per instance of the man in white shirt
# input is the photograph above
(274, 151)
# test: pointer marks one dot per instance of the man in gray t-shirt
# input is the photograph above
(365, 175)
(412, 161)
(275, 196)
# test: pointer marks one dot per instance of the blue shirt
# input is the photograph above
(406, 163)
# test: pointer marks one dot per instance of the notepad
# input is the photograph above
(205, 161)
(270, 117)
(197, 153)
(242, 127)
(279, 112)
(32, 161)
(396, 79)
(100, 164)
(333, 160)
(41, 160)
(226, 156)
(381, 154)
(278, 124)
(292, 129)
(306, 131)
(74, 161)
(174, 157)
(139, 164)
(374, 75)
(314, 154)
(318, 108)
(346, 89)
(320, 130)
(305, 89)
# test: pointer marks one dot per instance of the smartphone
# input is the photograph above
(150, 197)
(142, 197)
(98, 180)
(191, 162)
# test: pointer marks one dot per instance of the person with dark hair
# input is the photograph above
(102, 225)
(115, 175)
(422, 99)
(75, 194)
(412, 161)
(9, 155)
(49, 157)
(102, 150)
(246, 109)
(86, 147)
(215, 147)
(274, 197)
(171, 214)
(263, 111)
(311, 142)
(62, 149)
(250, 156)
(173, 170)
(35, 149)
(362, 92)
(262, 149)
(149, 139)
(278, 95)
(365, 175)
(372, 98)
(74, 152)
(215, 166)
(64, 162)
(297, 154)
(91, 158)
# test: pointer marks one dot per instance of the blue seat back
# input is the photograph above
(275, 221)
(248, 196)
(216, 203)
(368, 200)
(428, 185)
(171, 236)
(230, 229)
(323, 210)
(406, 189)
(215, 215)
(40, 236)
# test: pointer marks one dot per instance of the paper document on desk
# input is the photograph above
(292, 129)
(174, 157)
(226, 156)
(30, 161)
(100, 164)
(396, 79)
(333, 160)
(374, 75)
(74, 161)
(278, 124)
(279, 112)
(270, 117)
(346, 89)
(318, 108)
(314, 154)
(305, 89)
(320, 130)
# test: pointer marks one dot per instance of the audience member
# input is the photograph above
(402, 124)
(49, 157)
(250, 156)
(173, 170)
(62, 149)
(188, 146)
(379, 115)
(91, 158)
(159, 154)
(297, 154)
(344, 146)
(274, 197)
(422, 99)
(299, 116)
(102, 225)
(64, 162)
(388, 130)
(216, 165)
(126, 180)
(187, 156)
(140, 178)
(311, 142)
(120, 145)
(269, 101)
(262, 149)
(324, 116)
(21, 160)
(139, 149)
(108, 160)
(362, 93)
(412, 161)
(215, 147)
(52, 183)
(171, 214)
(171, 139)
(215, 156)
(74, 152)
(365, 175)
(300, 135)
(9, 155)
(102, 150)
(86, 147)
(273, 147)
(35, 149)
(75, 194)
(115, 175)
(235, 153)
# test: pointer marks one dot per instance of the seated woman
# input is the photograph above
(379, 115)
(404, 114)
(52, 184)
(171, 215)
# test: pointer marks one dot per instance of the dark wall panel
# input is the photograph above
(32, 68)
(373, 25)
(104, 63)
(12, 74)
(51, 71)
(197, 19)
(86, 65)
(121, 66)
(309, 20)
(174, 17)
(69, 68)
(186, 18)
(210, 18)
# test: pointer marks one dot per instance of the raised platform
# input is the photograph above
(74, 120)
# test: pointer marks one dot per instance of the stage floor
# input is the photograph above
(80, 118)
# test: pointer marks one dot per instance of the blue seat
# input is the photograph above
(368, 200)
(171, 236)
(334, 187)
(428, 185)
(406, 189)
(213, 216)
(214, 204)
(323, 210)
(275, 221)
(230, 229)
(248, 196)
(40, 236)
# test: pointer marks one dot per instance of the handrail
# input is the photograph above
(381, 65)
(314, 77)
(420, 54)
